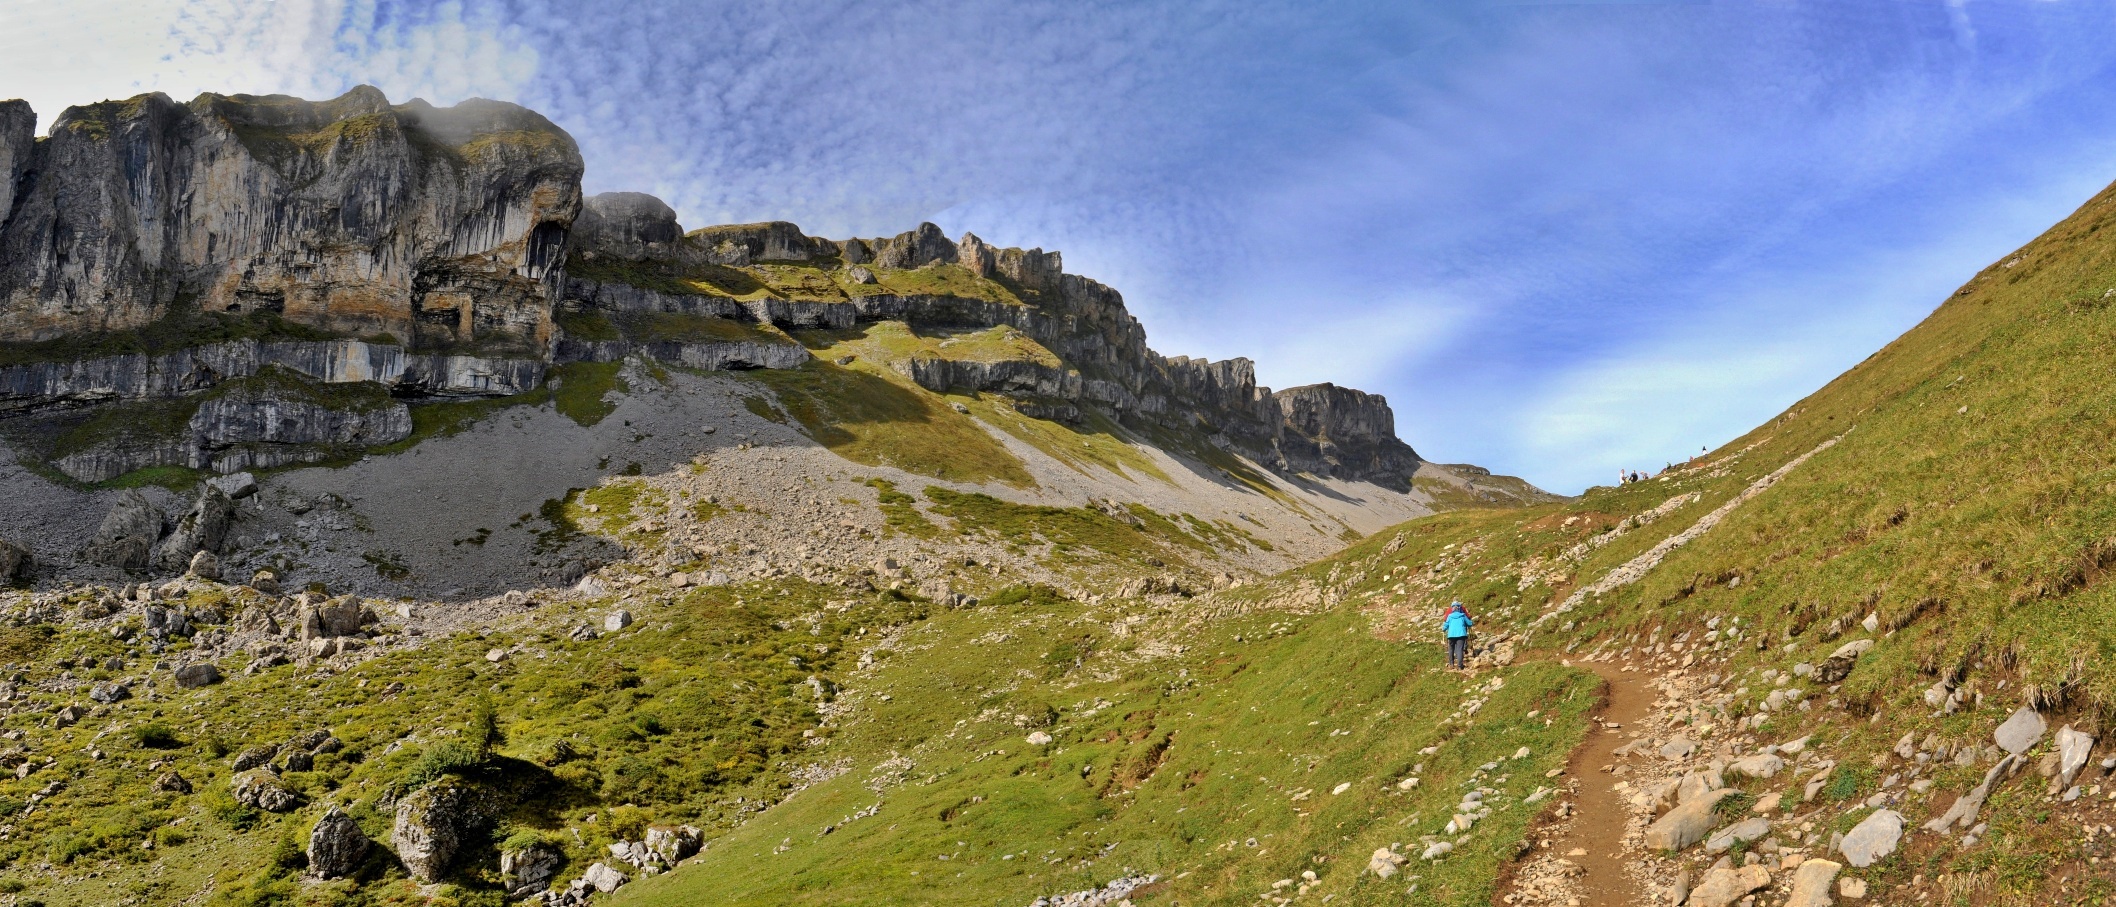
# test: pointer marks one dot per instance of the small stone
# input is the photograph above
(1039, 738)
(1849, 887)
(1340, 788)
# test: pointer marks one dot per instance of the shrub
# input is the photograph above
(155, 736)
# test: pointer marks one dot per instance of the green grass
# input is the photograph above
(900, 512)
(184, 328)
(1165, 763)
(877, 418)
(582, 391)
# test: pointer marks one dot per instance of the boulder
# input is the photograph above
(336, 845)
(1742, 832)
(15, 563)
(128, 532)
(1855, 889)
(424, 833)
(1697, 784)
(255, 756)
(107, 692)
(1678, 749)
(203, 528)
(1811, 883)
(236, 486)
(604, 878)
(172, 783)
(205, 565)
(673, 844)
(1686, 824)
(192, 676)
(260, 788)
(1873, 839)
(1963, 813)
(1840, 663)
(2021, 732)
(529, 870)
(1761, 765)
(2073, 749)
(1723, 885)
(616, 620)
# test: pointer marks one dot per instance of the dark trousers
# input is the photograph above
(1457, 650)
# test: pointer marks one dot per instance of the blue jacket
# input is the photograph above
(1458, 624)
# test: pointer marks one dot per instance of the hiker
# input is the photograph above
(1456, 625)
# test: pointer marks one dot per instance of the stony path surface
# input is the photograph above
(1586, 857)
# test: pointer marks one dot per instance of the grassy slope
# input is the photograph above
(1213, 768)
(1967, 506)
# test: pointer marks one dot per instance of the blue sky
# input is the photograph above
(1562, 238)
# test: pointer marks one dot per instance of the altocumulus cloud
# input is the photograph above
(1562, 238)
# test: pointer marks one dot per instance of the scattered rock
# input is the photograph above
(107, 692)
(172, 783)
(1811, 883)
(201, 674)
(529, 870)
(1872, 839)
(205, 565)
(617, 620)
(1686, 824)
(1743, 832)
(2020, 732)
(1039, 738)
(336, 845)
(1723, 885)
(604, 878)
(260, 788)
(1761, 765)
(1854, 889)
(2073, 749)
(1385, 862)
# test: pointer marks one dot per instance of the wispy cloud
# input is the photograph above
(1561, 237)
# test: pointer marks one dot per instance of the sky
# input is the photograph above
(1561, 238)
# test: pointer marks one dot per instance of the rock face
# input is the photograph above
(18, 140)
(434, 225)
(336, 846)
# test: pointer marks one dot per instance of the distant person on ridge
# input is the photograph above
(1457, 624)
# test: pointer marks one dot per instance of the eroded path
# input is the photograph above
(1588, 856)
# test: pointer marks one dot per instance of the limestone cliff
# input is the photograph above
(441, 227)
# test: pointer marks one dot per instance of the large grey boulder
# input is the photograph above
(2020, 732)
(336, 845)
(1761, 765)
(203, 528)
(128, 532)
(1686, 824)
(1696, 785)
(1873, 839)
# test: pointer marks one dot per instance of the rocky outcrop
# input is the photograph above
(743, 244)
(434, 225)
(730, 356)
(630, 225)
(18, 139)
(15, 563)
(186, 371)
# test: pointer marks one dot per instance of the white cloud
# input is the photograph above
(56, 55)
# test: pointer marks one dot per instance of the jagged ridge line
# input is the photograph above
(1636, 568)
